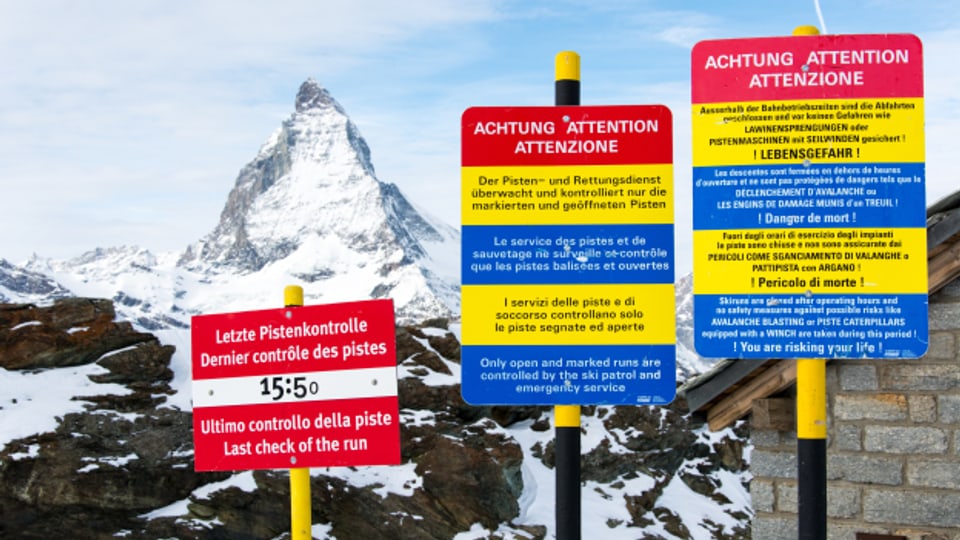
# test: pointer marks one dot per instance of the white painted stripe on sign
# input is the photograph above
(296, 387)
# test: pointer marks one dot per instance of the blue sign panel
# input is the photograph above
(527, 254)
(571, 375)
(815, 326)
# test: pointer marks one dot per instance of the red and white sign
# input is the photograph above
(305, 386)
(785, 68)
(566, 135)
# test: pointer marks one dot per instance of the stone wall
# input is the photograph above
(893, 458)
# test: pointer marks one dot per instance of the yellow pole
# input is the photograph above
(806, 30)
(567, 463)
(300, 519)
(567, 417)
(567, 68)
(812, 449)
(811, 398)
(811, 430)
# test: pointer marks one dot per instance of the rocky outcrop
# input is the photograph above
(122, 466)
(74, 331)
(98, 469)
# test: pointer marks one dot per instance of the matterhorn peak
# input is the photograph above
(309, 205)
(314, 96)
(281, 197)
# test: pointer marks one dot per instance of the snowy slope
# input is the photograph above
(676, 505)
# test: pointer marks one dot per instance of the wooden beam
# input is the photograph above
(779, 414)
(731, 375)
(944, 267)
(780, 375)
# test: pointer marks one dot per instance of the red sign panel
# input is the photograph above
(594, 135)
(806, 67)
(310, 386)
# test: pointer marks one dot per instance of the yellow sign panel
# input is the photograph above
(870, 131)
(586, 194)
(622, 314)
(848, 261)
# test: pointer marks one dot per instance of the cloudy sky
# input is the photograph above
(126, 122)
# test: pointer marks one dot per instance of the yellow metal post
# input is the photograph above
(567, 417)
(567, 68)
(300, 518)
(567, 452)
(812, 449)
(811, 431)
(806, 30)
(811, 398)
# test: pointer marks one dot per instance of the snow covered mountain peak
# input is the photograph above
(312, 95)
(307, 210)
(297, 185)
(309, 205)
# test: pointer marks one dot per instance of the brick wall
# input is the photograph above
(893, 458)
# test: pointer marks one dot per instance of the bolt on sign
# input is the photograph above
(808, 196)
(304, 386)
(567, 255)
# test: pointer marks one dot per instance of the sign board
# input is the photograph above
(567, 260)
(310, 386)
(808, 197)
